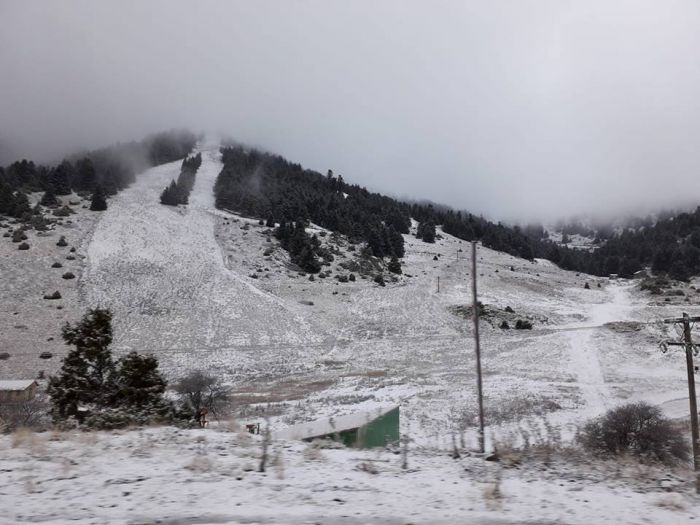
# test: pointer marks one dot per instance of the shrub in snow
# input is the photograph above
(70, 257)
(394, 266)
(504, 326)
(57, 265)
(23, 246)
(4, 356)
(379, 279)
(638, 429)
(68, 275)
(521, 324)
(63, 211)
(55, 295)
(62, 242)
(122, 417)
(19, 235)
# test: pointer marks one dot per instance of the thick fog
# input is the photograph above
(516, 109)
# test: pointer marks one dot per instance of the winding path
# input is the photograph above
(584, 353)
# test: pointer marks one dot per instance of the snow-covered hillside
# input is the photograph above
(160, 270)
(203, 288)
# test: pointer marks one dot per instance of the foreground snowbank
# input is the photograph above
(168, 475)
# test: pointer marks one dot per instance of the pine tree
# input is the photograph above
(85, 176)
(394, 266)
(139, 382)
(426, 232)
(60, 178)
(21, 206)
(170, 195)
(98, 202)
(7, 199)
(306, 260)
(49, 199)
(87, 376)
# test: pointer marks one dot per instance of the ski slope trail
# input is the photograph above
(161, 272)
(584, 347)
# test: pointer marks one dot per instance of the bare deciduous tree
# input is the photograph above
(30, 414)
(200, 390)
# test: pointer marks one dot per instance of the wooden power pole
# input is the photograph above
(689, 350)
(475, 308)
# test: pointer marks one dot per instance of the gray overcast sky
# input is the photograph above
(515, 109)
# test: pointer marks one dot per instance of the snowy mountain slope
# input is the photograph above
(180, 282)
(160, 269)
(205, 288)
(29, 324)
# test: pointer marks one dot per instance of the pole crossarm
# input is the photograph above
(681, 320)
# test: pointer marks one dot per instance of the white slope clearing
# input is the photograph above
(161, 272)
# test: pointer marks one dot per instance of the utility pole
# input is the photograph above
(475, 308)
(689, 350)
(438, 291)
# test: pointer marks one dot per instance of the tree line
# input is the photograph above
(94, 389)
(179, 192)
(104, 171)
(671, 246)
(267, 186)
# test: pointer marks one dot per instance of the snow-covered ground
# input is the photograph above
(203, 288)
(171, 476)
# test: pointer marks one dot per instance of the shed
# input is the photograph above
(375, 427)
(17, 390)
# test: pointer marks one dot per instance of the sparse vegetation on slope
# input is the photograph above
(112, 168)
(269, 187)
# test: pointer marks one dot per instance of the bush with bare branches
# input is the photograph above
(33, 414)
(199, 390)
(638, 429)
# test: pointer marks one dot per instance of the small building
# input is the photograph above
(376, 427)
(17, 390)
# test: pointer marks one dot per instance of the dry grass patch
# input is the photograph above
(200, 464)
(290, 390)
